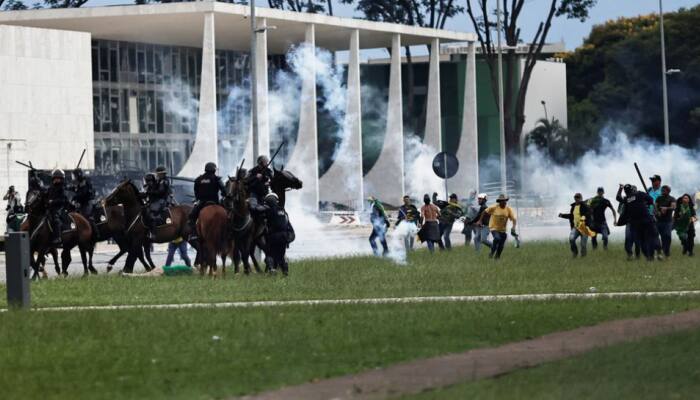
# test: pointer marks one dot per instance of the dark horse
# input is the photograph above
(136, 233)
(241, 224)
(282, 180)
(37, 225)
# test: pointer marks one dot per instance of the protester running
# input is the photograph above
(408, 216)
(684, 219)
(430, 230)
(665, 204)
(579, 217)
(498, 224)
(599, 204)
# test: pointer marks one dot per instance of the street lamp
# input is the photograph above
(544, 105)
(501, 113)
(664, 72)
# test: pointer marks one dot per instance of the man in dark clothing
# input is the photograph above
(207, 188)
(258, 184)
(158, 194)
(449, 213)
(623, 220)
(380, 223)
(579, 217)
(57, 202)
(664, 206)
(279, 233)
(481, 233)
(641, 221)
(84, 194)
(599, 204)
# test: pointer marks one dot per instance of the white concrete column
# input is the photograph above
(386, 178)
(206, 140)
(433, 116)
(342, 183)
(467, 177)
(303, 161)
(263, 109)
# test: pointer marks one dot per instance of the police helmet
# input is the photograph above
(78, 173)
(263, 160)
(210, 167)
(149, 177)
(161, 171)
(271, 199)
(58, 173)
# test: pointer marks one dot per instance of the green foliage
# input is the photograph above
(22, 5)
(551, 138)
(426, 13)
(615, 78)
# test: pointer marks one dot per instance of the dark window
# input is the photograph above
(159, 114)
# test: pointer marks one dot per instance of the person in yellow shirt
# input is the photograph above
(498, 224)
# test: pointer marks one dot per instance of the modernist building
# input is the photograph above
(166, 84)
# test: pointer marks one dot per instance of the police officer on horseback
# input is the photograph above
(279, 233)
(158, 194)
(207, 188)
(258, 183)
(57, 202)
(84, 194)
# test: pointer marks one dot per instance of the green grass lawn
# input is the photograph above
(666, 367)
(535, 268)
(156, 354)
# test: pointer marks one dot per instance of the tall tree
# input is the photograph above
(22, 5)
(310, 6)
(483, 18)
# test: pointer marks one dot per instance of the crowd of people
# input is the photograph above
(433, 223)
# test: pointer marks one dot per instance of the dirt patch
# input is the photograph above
(418, 376)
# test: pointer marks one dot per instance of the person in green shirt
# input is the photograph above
(448, 215)
(684, 219)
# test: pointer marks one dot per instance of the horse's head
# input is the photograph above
(125, 193)
(35, 202)
(235, 193)
(283, 179)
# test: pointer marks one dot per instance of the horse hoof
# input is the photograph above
(93, 271)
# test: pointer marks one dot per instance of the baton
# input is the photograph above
(277, 152)
(81, 159)
(644, 185)
(25, 165)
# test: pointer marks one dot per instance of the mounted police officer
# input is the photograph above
(158, 194)
(258, 183)
(207, 188)
(84, 193)
(279, 233)
(57, 202)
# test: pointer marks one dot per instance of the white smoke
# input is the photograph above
(395, 239)
(420, 178)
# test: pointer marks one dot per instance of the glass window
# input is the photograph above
(141, 61)
(95, 65)
(96, 117)
(142, 112)
(159, 113)
(114, 109)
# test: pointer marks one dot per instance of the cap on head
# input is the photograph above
(601, 190)
(655, 178)
(210, 167)
(453, 196)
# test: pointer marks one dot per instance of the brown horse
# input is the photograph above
(136, 232)
(241, 224)
(214, 238)
(37, 226)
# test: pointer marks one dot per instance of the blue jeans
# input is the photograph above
(603, 230)
(481, 236)
(499, 242)
(631, 241)
(182, 249)
(378, 232)
(445, 231)
(575, 234)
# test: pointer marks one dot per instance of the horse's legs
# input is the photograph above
(83, 258)
(110, 263)
(223, 265)
(65, 260)
(130, 260)
(147, 252)
(91, 252)
(54, 255)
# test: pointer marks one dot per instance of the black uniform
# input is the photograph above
(641, 221)
(57, 202)
(279, 235)
(84, 196)
(157, 197)
(258, 187)
(207, 188)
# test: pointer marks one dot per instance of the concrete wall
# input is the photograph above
(45, 102)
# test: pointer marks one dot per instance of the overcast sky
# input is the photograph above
(570, 31)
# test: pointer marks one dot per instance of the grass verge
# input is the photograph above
(206, 354)
(536, 268)
(665, 367)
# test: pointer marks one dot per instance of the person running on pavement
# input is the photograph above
(684, 219)
(498, 224)
(579, 217)
(599, 204)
